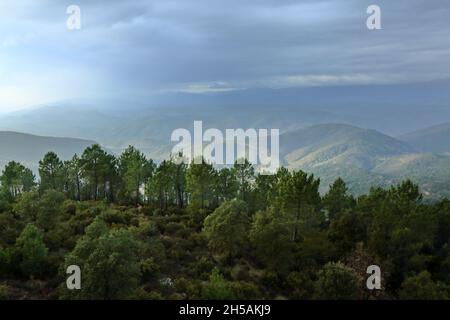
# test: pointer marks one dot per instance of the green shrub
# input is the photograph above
(422, 287)
(4, 292)
(174, 227)
(270, 279)
(149, 268)
(336, 282)
(300, 285)
(202, 267)
(245, 290)
(217, 288)
(191, 289)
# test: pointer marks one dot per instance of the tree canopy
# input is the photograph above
(145, 230)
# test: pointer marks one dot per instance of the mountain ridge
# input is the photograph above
(29, 149)
(362, 157)
(431, 139)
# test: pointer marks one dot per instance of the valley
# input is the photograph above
(311, 140)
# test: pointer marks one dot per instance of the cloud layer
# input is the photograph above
(204, 46)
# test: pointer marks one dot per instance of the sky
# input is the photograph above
(142, 48)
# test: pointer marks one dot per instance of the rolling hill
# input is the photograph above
(430, 171)
(337, 145)
(149, 129)
(363, 158)
(29, 149)
(433, 139)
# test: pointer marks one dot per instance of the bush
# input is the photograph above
(190, 289)
(202, 267)
(422, 287)
(245, 290)
(149, 268)
(217, 288)
(270, 279)
(197, 240)
(5, 261)
(112, 217)
(70, 207)
(10, 229)
(142, 294)
(4, 292)
(336, 282)
(33, 251)
(173, 228)
(300, 285)
(174, 211)
(240, 272)
(146, 229)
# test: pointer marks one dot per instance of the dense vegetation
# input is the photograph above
(139, 230)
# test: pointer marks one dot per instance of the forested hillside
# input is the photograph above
(432, 139)
(364, 158)
(139, 230)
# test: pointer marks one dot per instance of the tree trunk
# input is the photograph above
(297, 218)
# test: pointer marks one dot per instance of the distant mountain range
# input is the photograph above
(432, 139)
(364, 158)
(29, 149)
(321, 141)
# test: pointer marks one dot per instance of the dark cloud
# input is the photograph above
(209, 45)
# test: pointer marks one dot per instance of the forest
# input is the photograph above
(144, 230)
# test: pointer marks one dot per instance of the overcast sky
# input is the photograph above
(138, 48)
